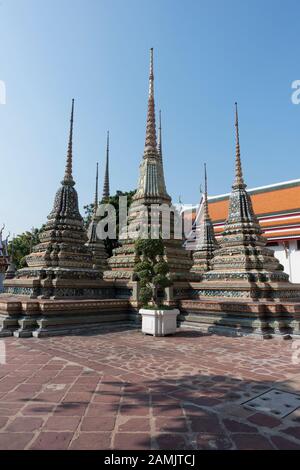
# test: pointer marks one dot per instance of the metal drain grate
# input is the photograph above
(277, 403)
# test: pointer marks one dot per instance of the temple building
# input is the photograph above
(277, 207)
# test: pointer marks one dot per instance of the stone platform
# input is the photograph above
(241, 317)
(24, 317)
(122, 390)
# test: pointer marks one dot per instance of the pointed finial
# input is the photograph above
(239, 181)
(151, 74)
(206, 215)
(68, 178)
(96, 189)
(150, 143)
(106, 189)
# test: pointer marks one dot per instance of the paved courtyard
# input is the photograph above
(123, 390)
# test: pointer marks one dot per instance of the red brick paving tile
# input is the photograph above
(210, 441)
(265, 420)
(135, 425)
(134, 410)
(102, 423)
(37, 409)
(168, 424)
(92, 441)
(236, 426)
(284, 444)
(3, 421)
(71, 409)
(50, 397)
(251, 442)
(25, 424)
(132, 441)
(62, 423)
(52, 441)
(105, 409)
(77, 397)
(19, 441)
(106, 398)
(172, 441)
(83, 387)
(31, 388)
(293, 431)
(168, 410)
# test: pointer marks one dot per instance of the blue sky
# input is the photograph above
(208, 54)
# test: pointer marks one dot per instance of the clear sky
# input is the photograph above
(208, 54)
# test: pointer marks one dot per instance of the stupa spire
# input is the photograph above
(150, 142)
(239, 180)
(159, 142)
(206, 214)
(96, 190)
(106, 190)
(68, 178)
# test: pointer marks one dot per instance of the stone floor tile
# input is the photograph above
(52, 441)
(132, 441)
(91, 441)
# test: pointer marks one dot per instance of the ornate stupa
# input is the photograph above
(151, 193)
(96, 244)
(205, 242)
(243, 267)
(61, 265)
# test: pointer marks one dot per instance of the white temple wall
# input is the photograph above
(290, 259)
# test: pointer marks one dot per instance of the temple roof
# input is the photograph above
(277, 207)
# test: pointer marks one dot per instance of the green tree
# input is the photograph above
(22, 245)
(110, 244)
(152, 270)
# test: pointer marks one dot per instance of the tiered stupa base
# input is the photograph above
(57, 283)
(241, 317)
(24, 317)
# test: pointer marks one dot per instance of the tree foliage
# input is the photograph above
(110, 244)
(152, 270)
(22, 245)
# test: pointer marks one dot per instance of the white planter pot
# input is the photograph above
(159, 322)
